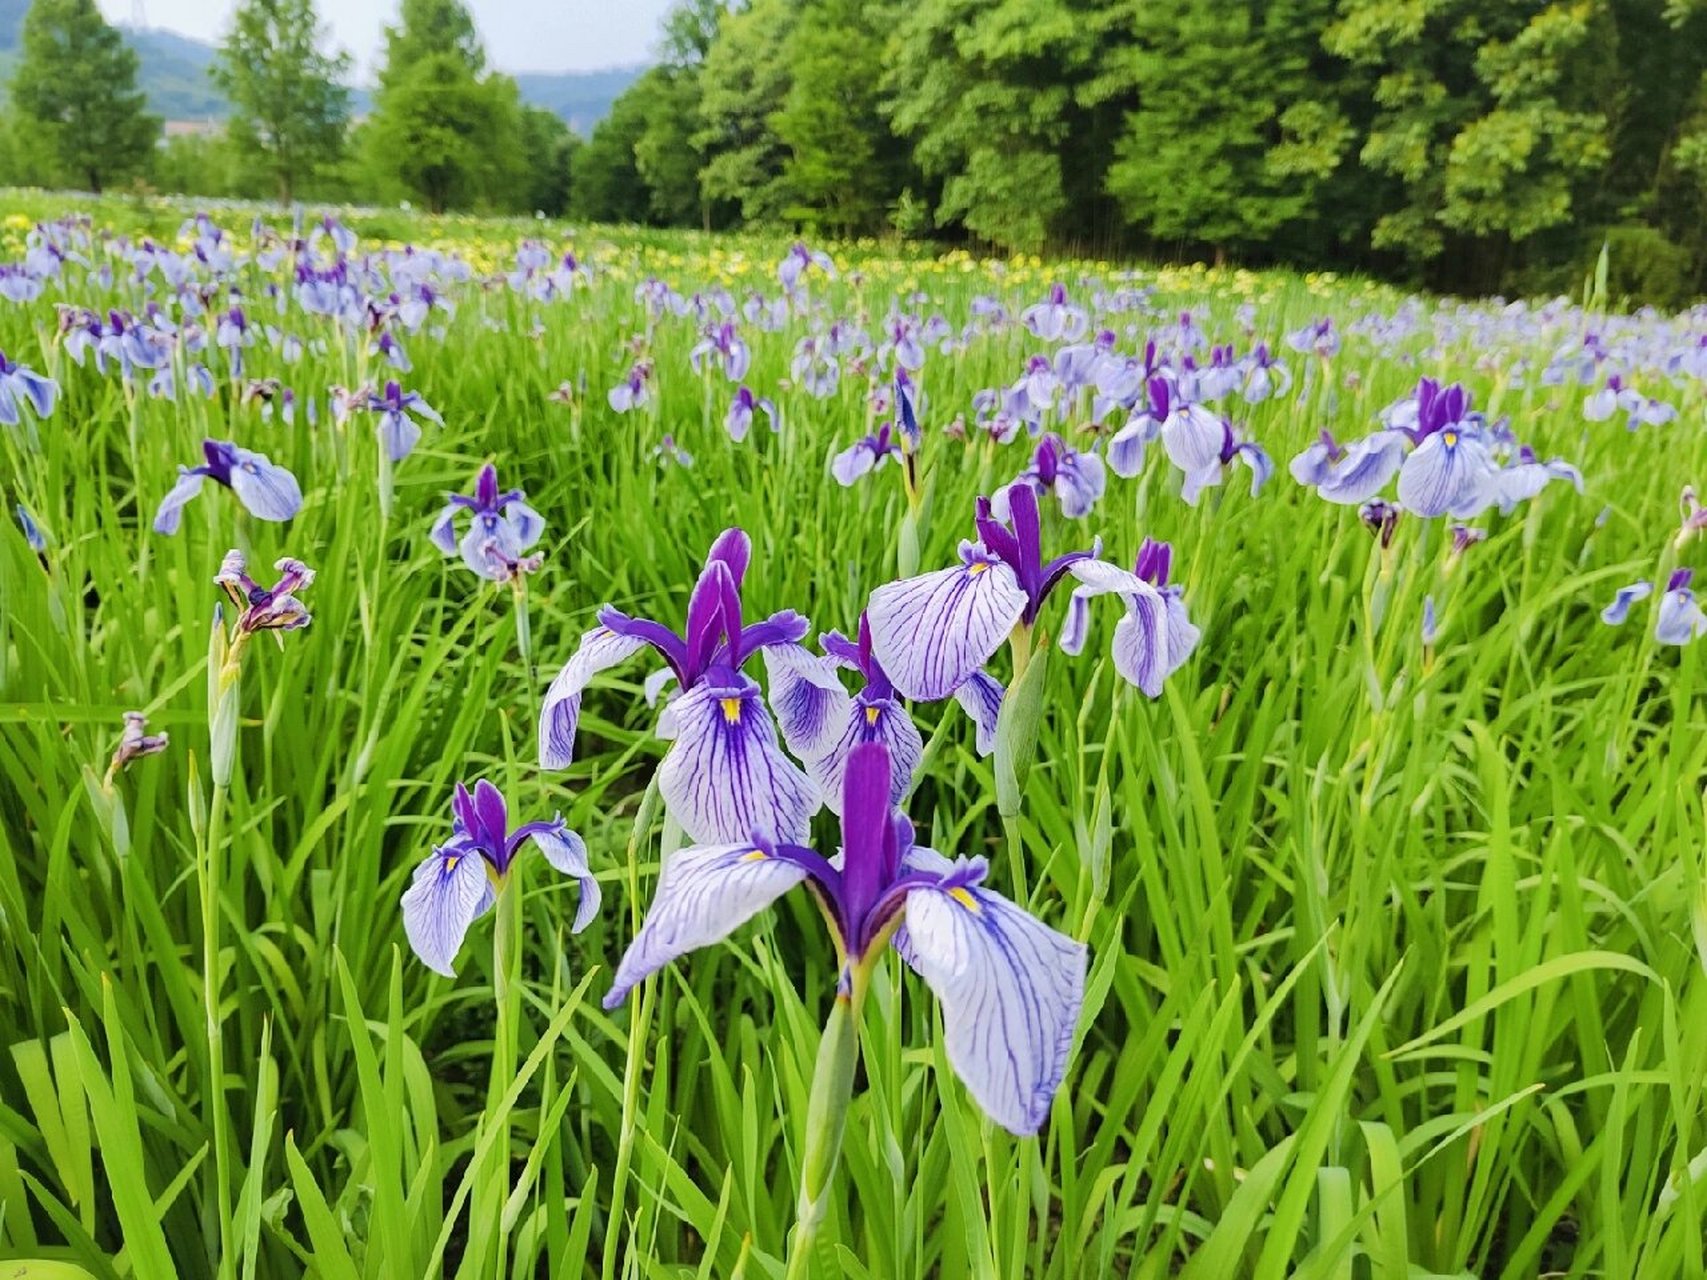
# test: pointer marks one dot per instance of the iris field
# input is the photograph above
(1337, 910)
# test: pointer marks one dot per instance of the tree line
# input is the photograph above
(1456, 143)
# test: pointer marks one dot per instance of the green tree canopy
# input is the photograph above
(76, 83)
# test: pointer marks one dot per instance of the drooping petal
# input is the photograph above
(1448, 472)
(526, 524)
(599, 649)
(1153, 640)
(725, 776)
(881, 720)
(1615, 613)
(268, 490)
(1680, 619)
(1365, 469)
(1010, 989)
(450, 891)
(932, 632)
(171, 511)
(567, 852)
(443, 533)
(980, 696)
(853, 462)
(399, 433)
(704, 895)
(807, 697)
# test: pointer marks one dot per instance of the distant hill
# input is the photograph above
(174, 76)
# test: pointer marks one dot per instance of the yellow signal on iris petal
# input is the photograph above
(871, 714)
(732, 710)
(754, 855)
(451, 859)
(1449, 439)
(965, 899)
(978, 568)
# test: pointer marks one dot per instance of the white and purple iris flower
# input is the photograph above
(723, 343)
(1156, 635)
(1076, 480)
(725, 774)
(634, 390)
(1056, 319)
(1201, 443)
(798, 260)
(267, 490)
(1639, 410)
(864, 455)
(1009, 986)
(934, 632)
(20, 386)
(739, 420)
(503, 529)
(1318, 338)
(1350, 474)
(1679, 618)
(397, 410)
(459, 881)
(1265, 375)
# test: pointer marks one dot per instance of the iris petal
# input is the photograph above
(567, 852)
(932, 632)
(600, 649)
(450, 891)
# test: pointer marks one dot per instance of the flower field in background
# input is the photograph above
(539, 750)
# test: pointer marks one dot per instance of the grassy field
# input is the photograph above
(1396, 940)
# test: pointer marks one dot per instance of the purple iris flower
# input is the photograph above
(1526, 475)
(1451, 468)
(1319, 338)
(1010, 987)
(739, 420)
(18, 284)
(1056, 319)
(906, 418)
(725, 773)
(724, 342)
(1121, 382)
(459, 880)
(934, 632)
(32, 531)
(231, 335)
(815, 368)
(1680, 619)
(1639, 410)
(267, 490)
(667, 450)
(503, 528)
(397, 410)
(274, 608)
(798, 259)
(1201, 444)
(634, 390)
(1265, 375)
(1381, 518)
(1156, 635)
(1615, 613)
(1218, 377)
(864, 455)
(903, 343)
(823, 725)
(135, 743)
(1075, 479)
(21, 386)
(1354, 473)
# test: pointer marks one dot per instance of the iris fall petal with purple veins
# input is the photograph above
(1354, 474)
(502, 528)
(934, 632)
(267, 490)
(1155, 636)
(1076, 480)
(1009, 986)
(459, 880)
(19, 387)
(397, 410)
(863, 456)
(1679, 618)
(725, 772)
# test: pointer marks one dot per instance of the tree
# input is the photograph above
(743, 85)
(548, 149)
(441, 131)
(289, 104)
(76, 82)
(606, 185)
(665, 158)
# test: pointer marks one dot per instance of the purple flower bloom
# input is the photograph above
(1075, 479)
(1009, 986)
(1680, 619)
(32, 531)
(274, 608)
(796, 261)
(1265, 375)
(1318, 337)
(932, 633)
(1201, 444)
(135, 743)
(502, 530)
(725, 343)
(1354, 474)
(459, 880)
(397, 410)
(1381, 518)
(20, 386)
(267, 490)
(739, 420)
(667, 450)
(1056, 319)
(863, 455)
(634, 390)
(1156, 635)
(1615, 613)
(725, 772)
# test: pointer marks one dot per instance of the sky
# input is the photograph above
(520, 35)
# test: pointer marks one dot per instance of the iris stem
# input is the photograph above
(506, 992)
(826, 1118)
(524, 632)
(212, 874)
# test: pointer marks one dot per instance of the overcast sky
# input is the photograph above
(520, 35)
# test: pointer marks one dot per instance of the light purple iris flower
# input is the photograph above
(1639, 410)
(934, 632)
(1352, 474)
(634, 390)
(503, 529)
(1075, 479)
(864, 455)
(1451, 468)
(724, 342)
(815, 368)
(267, 490)
(1010, 987)
(739, 420)
(1056, 319)
(1201, 444)
(1265, 375)
(20, 386)
(397, 410)
(725, 773)
(823, 725)
(1156, 635)
(458, 881)
(1680, 618)
(797, 260)
(275, 608)
(1319, 338)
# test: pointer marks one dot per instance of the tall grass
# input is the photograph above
(1397, 952)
